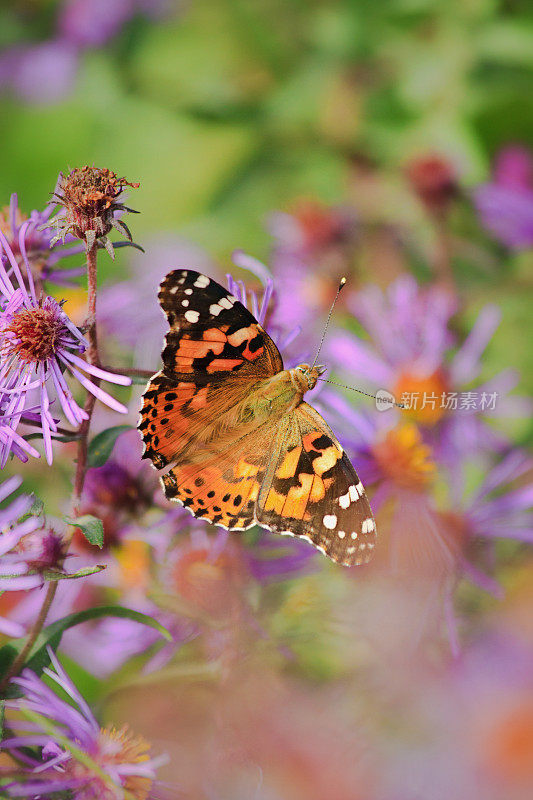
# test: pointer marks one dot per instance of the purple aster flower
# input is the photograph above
(40, 343)
(312, 250)
(412, 354)
(13, 566)
(505, 204)
(266, 310)
(494, 510)
(73, 753)
(92, 23)
(41, 73)
(123, 310)
(35, 236)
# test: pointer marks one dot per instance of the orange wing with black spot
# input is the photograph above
(311, 490)
(215, 352)
(204, 422)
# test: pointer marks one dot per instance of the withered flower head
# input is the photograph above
(433, 179)
(89, 196)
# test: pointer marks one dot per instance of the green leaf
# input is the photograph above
(101, 447)
(51, 637)
(53, 575)
(91, 527)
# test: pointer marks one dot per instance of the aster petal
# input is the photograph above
(465, 365)
(112, 377)
(347, 352)
(12, 629)
(95, 390)
(23, 583)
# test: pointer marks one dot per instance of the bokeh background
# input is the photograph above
(388, 141)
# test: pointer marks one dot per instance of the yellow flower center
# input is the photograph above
(115, 748)
(404, 458)
(134, 563)
(424, 395)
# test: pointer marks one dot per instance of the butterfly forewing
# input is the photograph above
(226, 458)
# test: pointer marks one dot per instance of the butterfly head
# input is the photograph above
(305, 377)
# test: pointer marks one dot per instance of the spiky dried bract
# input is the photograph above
(89, 196)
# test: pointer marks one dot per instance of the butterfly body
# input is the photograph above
(236, 443)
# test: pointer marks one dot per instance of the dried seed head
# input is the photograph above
(89, 196)
(433, 179)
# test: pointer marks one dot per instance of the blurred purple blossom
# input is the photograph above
(123, 310)
(91, 23)
(413, 352)
(495, 510)
(505, 204)
(14, 566)
(35, 235)
(311, 251)
(103, 761)
(41, 73)
(39, 343)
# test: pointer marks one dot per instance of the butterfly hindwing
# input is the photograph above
(313, 492)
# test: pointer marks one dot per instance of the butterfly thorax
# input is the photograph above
(284, 392)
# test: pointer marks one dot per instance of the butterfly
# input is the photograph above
(234, 440)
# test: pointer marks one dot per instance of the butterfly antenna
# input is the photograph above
(341, 284)
(386, 398)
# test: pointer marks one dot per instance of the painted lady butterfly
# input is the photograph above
(236, 443)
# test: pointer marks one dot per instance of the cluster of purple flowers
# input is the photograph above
(45, 72)
(39, 345)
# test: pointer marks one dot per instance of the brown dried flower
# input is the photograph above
(89, 196)
(434, 180)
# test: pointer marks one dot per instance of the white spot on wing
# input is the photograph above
(188, 291)
(344, 499)
(184, 302)
(225, 302)
(192, 316)
(202, 281)
(330, 520)
(354, 534)
(215, 309)
(368, 525)
(341, 534)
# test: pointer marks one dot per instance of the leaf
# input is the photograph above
(52, 575)
(35, 510)
(91, 527)
(101, 447)
(51, 637)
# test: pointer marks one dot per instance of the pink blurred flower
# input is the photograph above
(505, 204)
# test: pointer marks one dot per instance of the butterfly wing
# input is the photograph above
(215, 351)
(311, 490)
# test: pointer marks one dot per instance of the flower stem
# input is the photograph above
(20, 660)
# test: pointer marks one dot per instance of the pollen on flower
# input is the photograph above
(404, 458)
(32, 335)
(121, 746)
(424, 395)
